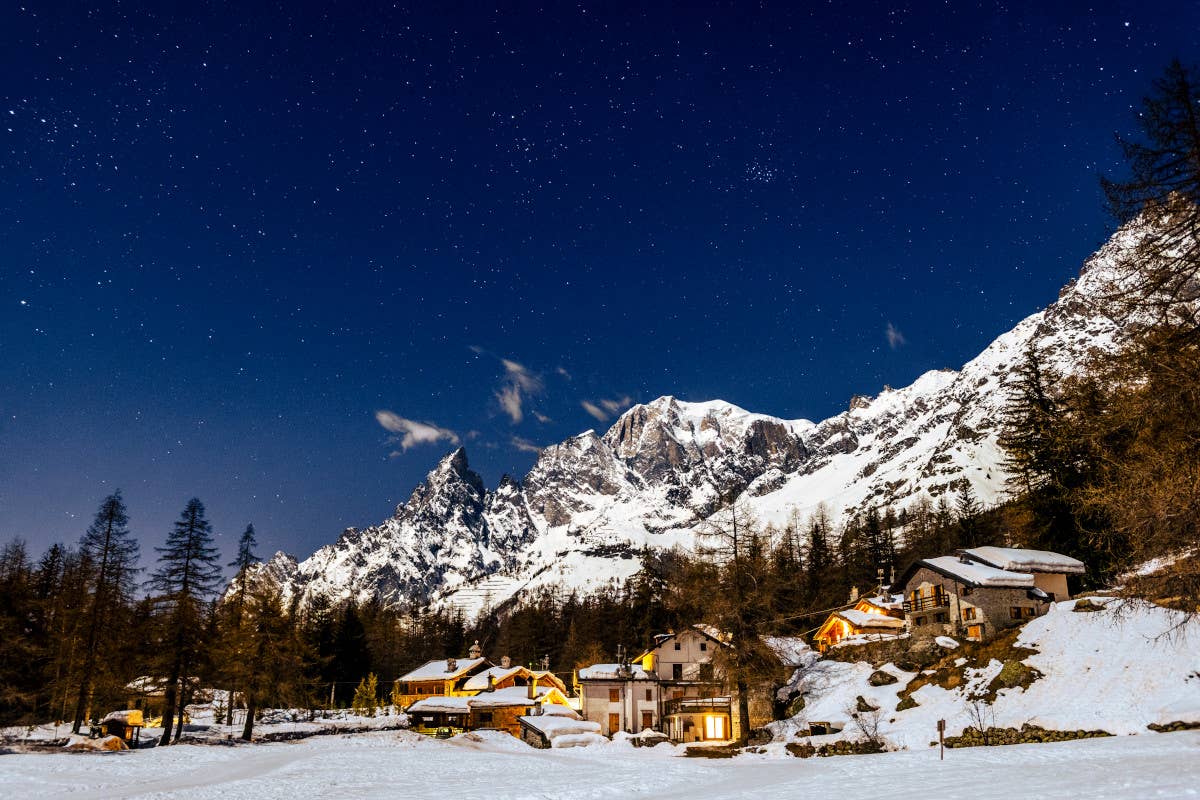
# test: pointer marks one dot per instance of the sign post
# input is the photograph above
(942, 739)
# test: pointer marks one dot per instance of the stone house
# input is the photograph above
(968, 596)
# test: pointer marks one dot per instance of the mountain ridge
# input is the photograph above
(593, 500)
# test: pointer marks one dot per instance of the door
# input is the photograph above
(614, 723)
(647, 720)
(714, 728)
(975, 632)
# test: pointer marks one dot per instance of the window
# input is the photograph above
(942, 617)
(677, 672)
(677, 646)
(614, 695)
(649, 696)
(706, 672)
(703, 646)
(485, 718)
(969, 613)
(920, 620)
(1020, 612)
(1028, 611)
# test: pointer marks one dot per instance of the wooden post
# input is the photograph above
(942, 739)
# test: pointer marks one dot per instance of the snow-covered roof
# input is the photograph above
(442, 704)
(479, 681)
(512, 696)
(865, 619)
(978, 574)
(440, 670)
(886, 600)
(1018, 559)
(555, 725)
(613, 672)
(792, 651)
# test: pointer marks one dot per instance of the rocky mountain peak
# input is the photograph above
(590, 502)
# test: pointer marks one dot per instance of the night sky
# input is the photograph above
(243, 251)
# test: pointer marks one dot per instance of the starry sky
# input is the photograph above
(284, 257)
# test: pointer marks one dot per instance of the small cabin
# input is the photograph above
(875, 617)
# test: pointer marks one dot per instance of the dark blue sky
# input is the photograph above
(229, 239)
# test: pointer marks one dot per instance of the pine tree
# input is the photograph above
(111, 550)
(366, 696)
(234, 633)
(186, 576)
(275, 656)
(1163, 270)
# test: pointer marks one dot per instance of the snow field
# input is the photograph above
(403, 765)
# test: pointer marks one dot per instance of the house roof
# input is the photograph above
(1022, 560)
(552, 725)
(888, 601)
(865, 619)
(501, 698)
(440, 670)
(612, 672)
(969, 573)
(479, 681)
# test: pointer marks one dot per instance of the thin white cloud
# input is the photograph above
(615, 406)
(895, 338)
(563, 372)
(511, 401)
(540, 417)
(594, 410)
(522, 377)
(524, 445)
(410, 433)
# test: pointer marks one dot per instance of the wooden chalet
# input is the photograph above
(881, 616)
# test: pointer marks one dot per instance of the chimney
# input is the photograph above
(533, 688)
(963, 557)
(491, 682)
(451, 665)
(476, 651)
(505, 662)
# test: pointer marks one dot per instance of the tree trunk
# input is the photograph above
(251, 707)
(168, 717)
(229, 713)
(743, 692)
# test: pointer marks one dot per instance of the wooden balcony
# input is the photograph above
(926, 603)
(696, 705)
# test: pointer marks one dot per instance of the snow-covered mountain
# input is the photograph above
(591, 502)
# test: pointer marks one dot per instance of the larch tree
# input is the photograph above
(186, 577)
(234, 633)
(112, 553)
(1161, 274)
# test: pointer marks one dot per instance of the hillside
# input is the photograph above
(1119, 670)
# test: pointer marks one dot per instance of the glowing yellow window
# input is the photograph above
(714, 727)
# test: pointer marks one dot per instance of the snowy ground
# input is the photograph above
(404, 765)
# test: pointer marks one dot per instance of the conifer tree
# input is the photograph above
(186, 577)
(1163, 271)
(275, 656)
(109, 548)
(234, 634)
(366, 696)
